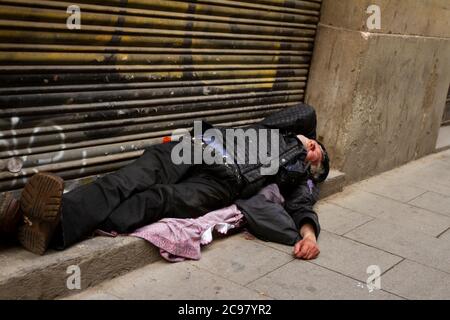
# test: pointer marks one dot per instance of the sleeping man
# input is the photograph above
(158, 185)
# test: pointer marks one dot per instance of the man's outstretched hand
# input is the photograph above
(307, 248)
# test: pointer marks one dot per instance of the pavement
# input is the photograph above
(387, 237)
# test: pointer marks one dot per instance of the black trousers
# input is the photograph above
(145, 191)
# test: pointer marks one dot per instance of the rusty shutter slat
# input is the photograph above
(85, 102)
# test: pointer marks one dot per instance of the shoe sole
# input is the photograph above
(40, 203)
(41, 197)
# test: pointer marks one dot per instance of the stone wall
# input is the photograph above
(380, 94)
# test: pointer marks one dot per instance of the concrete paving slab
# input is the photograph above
(363, 202)
(352, 258)
(443, 159)
(435, 187)
(337, 219)
(422, 181)
(277, 246)
(390, 189)
(416, 281)
(345, 256)
(241, 260)
(423, 173)
(445, 236)
(410, 175)
(437, 170)
(165, 281)
(400, 214)
(304, 280)
(434, 202)
(403, 242)
(414, 218)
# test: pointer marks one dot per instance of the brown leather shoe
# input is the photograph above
(40, 203)
(10, 215)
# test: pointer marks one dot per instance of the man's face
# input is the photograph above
(314, 151)
(314, 155)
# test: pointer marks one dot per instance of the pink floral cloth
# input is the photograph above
(181, 239)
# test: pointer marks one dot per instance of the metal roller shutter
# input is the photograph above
(84, 102)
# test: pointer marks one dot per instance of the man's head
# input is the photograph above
(316, 157)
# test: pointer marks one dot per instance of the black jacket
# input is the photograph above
(300, 119)
(268, 219)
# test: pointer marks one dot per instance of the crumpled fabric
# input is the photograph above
(181, 239)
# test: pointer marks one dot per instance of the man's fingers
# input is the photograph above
(306, 250)
(303, 251)
(311, 254)
(314, 253)
(298, 247)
